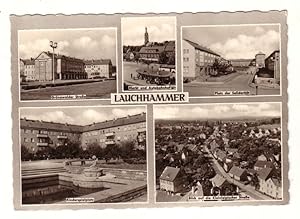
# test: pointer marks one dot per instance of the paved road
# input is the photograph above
(93, 90)
(238, 83)
(250, 191)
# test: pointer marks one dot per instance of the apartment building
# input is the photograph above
(36, 135)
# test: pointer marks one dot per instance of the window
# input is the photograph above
(26, 139)
(32, 140)
(27, 131)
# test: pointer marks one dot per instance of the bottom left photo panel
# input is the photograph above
(72, 155)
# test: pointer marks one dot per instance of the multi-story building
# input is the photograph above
(98, 68)
(268, 184)
(22, 69)
(36, 135)
(29, 69)
(272, 63)
(151, 53)
(197, 60)
(40, 134)
(65, 67)
(260, 60)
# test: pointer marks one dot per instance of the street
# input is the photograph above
(248, 190)
(238, 83)
(91, 90)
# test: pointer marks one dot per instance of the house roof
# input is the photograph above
(152, 49)
(36, 124)
(221, 154)
(29, 61)
(263, 164)
(170, 173)
(231, 150)
(264, 173)
(236, 171)
(275, 51)
(218, 180)
(116, 122)
(202, 48)
(97, 62)
(43, 125)
(59, 56)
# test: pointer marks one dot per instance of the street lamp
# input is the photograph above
(54, 46)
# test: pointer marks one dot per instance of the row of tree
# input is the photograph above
(73, 149)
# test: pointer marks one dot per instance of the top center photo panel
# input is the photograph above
(149, 54)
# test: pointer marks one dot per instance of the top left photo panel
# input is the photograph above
(67, 64)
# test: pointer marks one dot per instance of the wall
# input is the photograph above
(189, 67)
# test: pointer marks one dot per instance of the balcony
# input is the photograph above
(42, 135)
(42, 144)
(110, 142)
(62, 137)
(110, 134)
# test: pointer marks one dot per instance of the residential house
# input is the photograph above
(260, 164)
(268, 184)
(238, 173)
(171, 179)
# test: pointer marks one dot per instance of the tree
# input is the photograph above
(163, 59)
(25, 153)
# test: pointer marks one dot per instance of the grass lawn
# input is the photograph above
(91, 90)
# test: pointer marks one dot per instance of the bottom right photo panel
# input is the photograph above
(218, 152)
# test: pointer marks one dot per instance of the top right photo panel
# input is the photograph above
(231, 60)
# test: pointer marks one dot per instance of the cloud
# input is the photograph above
(84, 43)
(54, 116)
(119, 112)
(159, 29)
(244, 46)
(90, 115)
(218, 111)
(166, 112)
(34, 48)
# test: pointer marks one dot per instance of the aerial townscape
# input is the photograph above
(149, 63)
(45, 74)
(208, 71)
(104, 161)
(227, 159)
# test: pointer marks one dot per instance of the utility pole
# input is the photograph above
(53, 45)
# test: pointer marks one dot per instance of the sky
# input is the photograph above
(159, 29)
(236, 42)
(79, 115)
(80, 43)
(216, 111)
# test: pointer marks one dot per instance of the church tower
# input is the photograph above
(146, 37)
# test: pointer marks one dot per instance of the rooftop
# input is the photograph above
(202, 48)
(236, 171)
(218, 180)
(37, 124)
(97, 62)
(264, 173)
(170, 173)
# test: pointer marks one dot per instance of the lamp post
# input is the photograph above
(53, 45)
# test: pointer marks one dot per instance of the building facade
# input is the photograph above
(65, 67)
(197, 60)
(272, 63)
(29, 69)
(260, 60)
(36, 135)
(171, 180)
(98, 68)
